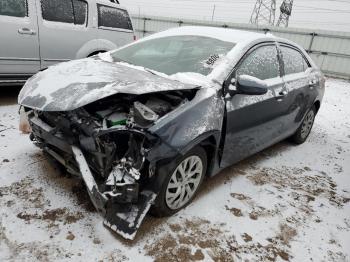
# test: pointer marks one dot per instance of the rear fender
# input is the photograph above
(94, 46)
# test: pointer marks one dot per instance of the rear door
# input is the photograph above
(64, 28)
(19, 46)
(255, 122)
(300, 83)
(114, 24)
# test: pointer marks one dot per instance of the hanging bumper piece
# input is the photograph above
(124, 218)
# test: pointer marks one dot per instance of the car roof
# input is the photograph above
(224, 34)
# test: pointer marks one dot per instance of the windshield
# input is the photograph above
(175, 54)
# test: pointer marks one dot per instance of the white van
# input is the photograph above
(35, 34)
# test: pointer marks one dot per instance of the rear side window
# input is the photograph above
(293, 60)
(262, 63)
(113, 17)
(65, 11)
(80, 12)
(16, 8)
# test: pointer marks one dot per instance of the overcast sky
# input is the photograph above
(319, 14)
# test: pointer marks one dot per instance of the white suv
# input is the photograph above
(35, 34)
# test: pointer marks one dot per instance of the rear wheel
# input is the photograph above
(304, 130)
(182, 184)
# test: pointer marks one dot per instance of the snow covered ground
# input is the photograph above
(285, 203)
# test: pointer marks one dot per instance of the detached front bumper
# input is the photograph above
(123, 217)
(124, 222)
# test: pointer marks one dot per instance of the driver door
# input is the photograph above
(254, 122)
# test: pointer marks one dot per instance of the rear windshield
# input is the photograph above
(175, 54)
(113, 17)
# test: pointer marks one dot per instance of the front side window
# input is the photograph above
(65, 11)
(16, 8)
(262, 63)
(175, 54)
(113, 17)
(293, 60)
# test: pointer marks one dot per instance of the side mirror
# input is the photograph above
(247, 85)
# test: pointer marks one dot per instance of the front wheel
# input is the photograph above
(182, 184)
(304, 130)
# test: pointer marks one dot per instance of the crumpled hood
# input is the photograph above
(68, 86)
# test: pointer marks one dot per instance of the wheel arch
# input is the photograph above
(209, 141)
(317, 105)
(210, 146)
(96, 52)
(94, 46)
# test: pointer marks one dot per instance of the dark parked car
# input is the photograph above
(144, 124)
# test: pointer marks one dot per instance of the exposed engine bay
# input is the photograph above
(107, 143)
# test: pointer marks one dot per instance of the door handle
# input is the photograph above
(282, 94)
(26, 31)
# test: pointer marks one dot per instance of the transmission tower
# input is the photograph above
(264, 12)
(286, 11)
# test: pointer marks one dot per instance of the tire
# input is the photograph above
(170, 194)
(305, 128)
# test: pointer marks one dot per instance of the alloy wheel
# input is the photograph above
(184, 182)
(307, 124)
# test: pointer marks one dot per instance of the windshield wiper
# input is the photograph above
(150, 71)
(153, 72)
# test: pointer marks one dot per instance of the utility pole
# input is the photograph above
(212, 17)
(264, 12)
(286, 12)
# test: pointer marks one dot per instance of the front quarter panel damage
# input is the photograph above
(185, 127)
(121, 144)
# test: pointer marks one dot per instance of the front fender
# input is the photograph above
(191, 123)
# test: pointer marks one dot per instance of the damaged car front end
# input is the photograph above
(125, 121)
(116, 143)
